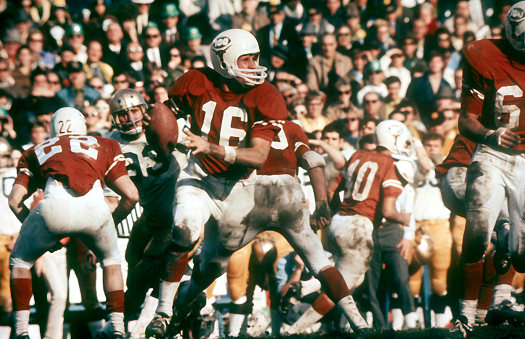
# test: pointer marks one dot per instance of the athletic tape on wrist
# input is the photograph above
(230, 154)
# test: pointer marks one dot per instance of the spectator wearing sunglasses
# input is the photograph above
(374, 77)
(120, 80)
(155, 50)
(314, 119)
(393, 62)
(134, 66)
(75, 38)
(342, 105)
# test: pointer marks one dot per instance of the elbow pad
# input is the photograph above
(311, 160)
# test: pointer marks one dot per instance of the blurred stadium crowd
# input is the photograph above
(342, 67)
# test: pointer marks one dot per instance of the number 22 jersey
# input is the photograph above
(368, 177)
(74, 160)
(228, 118)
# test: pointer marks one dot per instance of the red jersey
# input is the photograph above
(289, 145)
(74, 160)
(493, 84)
(460, 155)
(368, 178)
(228, 118)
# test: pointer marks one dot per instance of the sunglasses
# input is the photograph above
(75, 35)
(352, 119)
(94, 114)
(97, 87)
(289, 96)
(397, 55)
(175, 55)
(116, 81)
(152, 36)
(4, 69)
(54, 82)
(344, 92)
(133, 49)
(366, 102)
(343, 34)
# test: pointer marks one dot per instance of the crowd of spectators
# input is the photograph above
(342, 66)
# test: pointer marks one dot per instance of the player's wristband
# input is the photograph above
(230, 154)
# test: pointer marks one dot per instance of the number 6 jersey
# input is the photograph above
(493, 84)
(368, 177)
(74, 160)
(227, 118)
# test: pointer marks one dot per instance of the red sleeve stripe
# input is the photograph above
(118, 158)
(392, 183)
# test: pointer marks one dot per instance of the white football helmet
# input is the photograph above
(515, 26)
(68, 120)
(227, 47)
(392, 135)
(123, 101)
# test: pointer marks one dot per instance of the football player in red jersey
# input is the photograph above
(235, 115)
(72, 168)
(492, 99)
(371, 185)
(477, 294)
(280, 205)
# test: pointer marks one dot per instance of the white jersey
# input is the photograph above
(9, 224)
(154, 179)
(429, 203)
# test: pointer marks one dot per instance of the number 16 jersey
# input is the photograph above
(369, 177)
(493, 85)
(228, 118)
(74, 160)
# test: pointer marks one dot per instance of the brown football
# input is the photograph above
(163, 131)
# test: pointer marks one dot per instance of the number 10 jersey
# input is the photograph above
(368, 178)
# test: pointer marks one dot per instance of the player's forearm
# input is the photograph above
(318, 181)
(123, 209)
(16, 200)
(425, 163)
(334, 154)
(250, 157)
(21, 212)
(470, 127)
